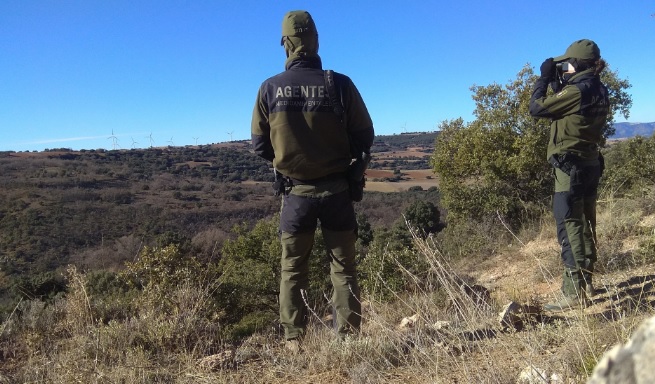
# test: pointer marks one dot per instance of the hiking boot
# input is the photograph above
(589, 291)
(292, 346)
(565, 303)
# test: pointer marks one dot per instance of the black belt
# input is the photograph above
(330, 177)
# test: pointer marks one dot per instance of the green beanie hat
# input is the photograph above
(582, 49)
(298, 23)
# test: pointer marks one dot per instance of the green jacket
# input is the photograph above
(295, 126)
(578, 111)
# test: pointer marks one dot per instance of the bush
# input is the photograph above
(630, 167)
(250, 279)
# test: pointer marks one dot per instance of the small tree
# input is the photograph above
(424, 216)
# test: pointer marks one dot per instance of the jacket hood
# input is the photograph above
(299, 34)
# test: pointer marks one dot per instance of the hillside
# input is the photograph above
(626, 130)
(97, 208)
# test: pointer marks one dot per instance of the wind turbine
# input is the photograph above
(171, 141)
(196, 139)
(230, 133)
(133, 142)
(151, 140)
(114, 139)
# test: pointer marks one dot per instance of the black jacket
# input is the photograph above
(295, 126)
(578, 111)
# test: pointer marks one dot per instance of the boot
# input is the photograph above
(587, 276)
(572, 293)
(565, 303)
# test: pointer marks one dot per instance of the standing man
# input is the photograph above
(578, 108)
(295, 126)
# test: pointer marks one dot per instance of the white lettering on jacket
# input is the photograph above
(298, 91)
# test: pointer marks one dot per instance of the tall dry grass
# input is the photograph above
(453, 333)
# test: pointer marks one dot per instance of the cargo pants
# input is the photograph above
(574, 208)
(302, 209)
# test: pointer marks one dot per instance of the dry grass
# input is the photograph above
(455, 336)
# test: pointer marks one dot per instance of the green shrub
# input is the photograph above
(391, 264)
(250, 276)
(630, 167)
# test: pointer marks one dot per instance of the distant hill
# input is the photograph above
(384, 143)
(626, 130)
(425, 140)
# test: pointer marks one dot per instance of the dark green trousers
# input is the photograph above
(302, 209)
(574, 208)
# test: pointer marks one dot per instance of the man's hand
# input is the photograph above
(548, 68)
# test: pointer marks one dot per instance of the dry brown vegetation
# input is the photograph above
(450, 336)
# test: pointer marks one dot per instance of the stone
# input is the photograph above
(408, 322)
(514, 316)
(631, 363)
(535, 375)
(218, 361)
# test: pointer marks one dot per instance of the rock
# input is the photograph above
(509, 317)
(221, 360)
(441, 325)
(514, 316)
(535, 375)
(631, 363)
(478, 295)
(408, 322)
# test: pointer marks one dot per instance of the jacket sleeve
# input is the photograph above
(260, 130)
(358, 120)
(565, 102)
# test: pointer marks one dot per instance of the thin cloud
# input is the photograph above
(79, 138)
(48, 141)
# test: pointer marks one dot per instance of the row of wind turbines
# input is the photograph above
(115, 140)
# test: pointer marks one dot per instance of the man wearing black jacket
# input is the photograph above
(295, 126)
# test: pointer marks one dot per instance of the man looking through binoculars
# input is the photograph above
(578, 109)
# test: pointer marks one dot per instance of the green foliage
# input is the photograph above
(423, 216)
(646, 250)
(630, 166)
(496, 164)
(620, 99)
(364, 230)
(43, 286)
(114, 297)
(250, 267)
(161, 270)
(385, 143)
(391, 263)
(173, 293)
(250, 271)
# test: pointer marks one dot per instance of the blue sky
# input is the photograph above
(73, 73)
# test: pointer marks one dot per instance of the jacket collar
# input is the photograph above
(303, 60)
(582, 76)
